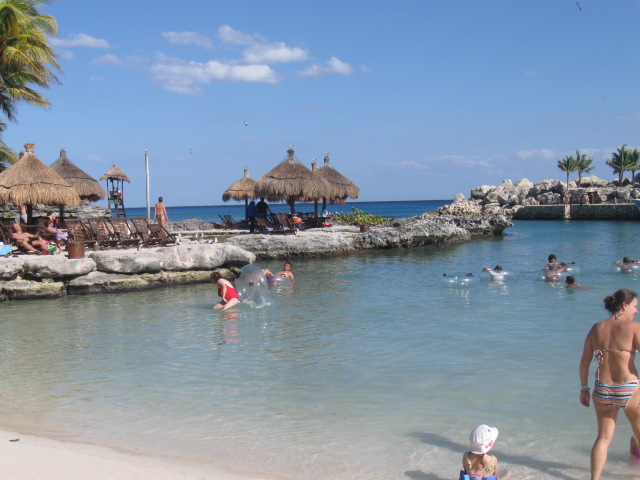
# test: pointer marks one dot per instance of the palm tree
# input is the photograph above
(584, 165)
(635, 159)
(621, 161)
(26, 59)
(568, 165)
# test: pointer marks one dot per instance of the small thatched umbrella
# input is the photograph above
(116, 177)
(88, 188)
(30, 182)
(345, 187)
(290, 180)
(243, 189)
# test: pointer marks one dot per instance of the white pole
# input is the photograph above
(146, 166)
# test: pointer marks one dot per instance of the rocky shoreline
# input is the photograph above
(34, 276)
(510, 199)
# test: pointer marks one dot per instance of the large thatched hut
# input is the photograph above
(290, 180)
(88, 188)
(30, 182)
(243, 189)
(345, 188)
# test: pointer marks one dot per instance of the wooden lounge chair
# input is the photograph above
(79, 233)
(104, 236)
(282, 222)
(141, 227)
(120, 228)
(229, 222)
(158, 231)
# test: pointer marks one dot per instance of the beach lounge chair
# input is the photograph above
(229, 222)
(283, 223)
(141, 227)
(105, 238)
(79, 233)
(121, 229)
(158, 231)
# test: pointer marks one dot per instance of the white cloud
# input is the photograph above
(333, 66)
(97, 79)
(531, 73)
(188, 38)
(543, 153)
(365, 69)
(260, 49)
(79, 40)
(187, 77)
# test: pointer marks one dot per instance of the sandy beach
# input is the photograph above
(26, 457)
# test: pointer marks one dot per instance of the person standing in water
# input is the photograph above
(160, 212)
(613, 343)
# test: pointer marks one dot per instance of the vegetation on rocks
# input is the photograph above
(358, 217)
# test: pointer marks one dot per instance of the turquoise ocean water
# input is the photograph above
(211, 213)
(369, 366)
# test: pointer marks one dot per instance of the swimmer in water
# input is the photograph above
(571, 283)
(627, 264)
(496, 273)
(554, 268)
(285, 272)
(226, 291)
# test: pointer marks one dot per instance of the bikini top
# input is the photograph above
(469, 468)
(598, 357)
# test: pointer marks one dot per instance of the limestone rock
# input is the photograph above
(187, 256)
(56, 266)
(29, 289)
(100, 282)
(459, 198)
(10, 267)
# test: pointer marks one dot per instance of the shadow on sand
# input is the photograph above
(548, 468)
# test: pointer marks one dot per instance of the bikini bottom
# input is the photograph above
(615, 395)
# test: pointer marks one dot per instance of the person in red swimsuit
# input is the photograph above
(226, 291)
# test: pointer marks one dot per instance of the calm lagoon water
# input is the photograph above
(370, 366)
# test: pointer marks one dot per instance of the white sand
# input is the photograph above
(35, 458)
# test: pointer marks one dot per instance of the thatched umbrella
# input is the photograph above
(345, 187)
(243, 189)
(290, 181)
(30, 182)
(88, 188)
(116, 177)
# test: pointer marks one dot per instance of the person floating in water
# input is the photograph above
(571, 283)
(554, 268)
(226, 291)
(496, 272)
(627, 265)
(476, 463)
(284, 273)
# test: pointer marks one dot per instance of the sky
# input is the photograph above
(411, 99)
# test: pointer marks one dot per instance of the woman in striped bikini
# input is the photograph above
(613, 344)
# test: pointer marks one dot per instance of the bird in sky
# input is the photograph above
(579, 6)
(246, 124)
(190, 151)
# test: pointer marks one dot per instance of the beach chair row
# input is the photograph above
(102, 233)
(278, 224)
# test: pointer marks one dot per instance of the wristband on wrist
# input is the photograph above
(585, 388)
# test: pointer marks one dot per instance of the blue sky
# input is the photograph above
(411, 99)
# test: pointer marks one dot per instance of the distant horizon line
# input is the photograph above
(301, 203)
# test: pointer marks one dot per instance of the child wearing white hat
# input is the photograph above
(476, 464)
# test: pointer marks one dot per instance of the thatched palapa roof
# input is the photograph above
(243, 189)
(291, 180)
(345, 187)
(30, 182)
(115, 173)
(86, 186)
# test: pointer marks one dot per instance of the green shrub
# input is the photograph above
(358, 217)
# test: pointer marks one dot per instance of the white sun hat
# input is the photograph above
(482, 439)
